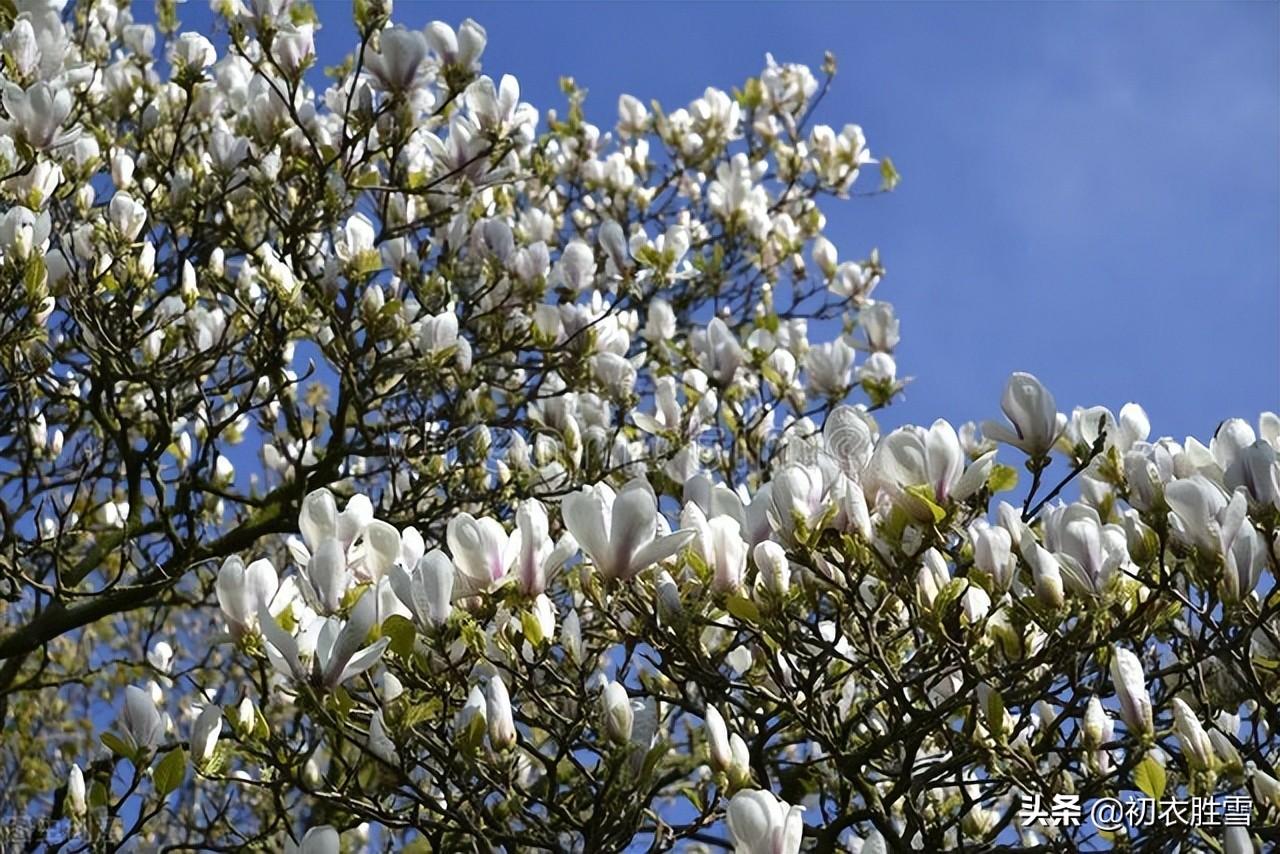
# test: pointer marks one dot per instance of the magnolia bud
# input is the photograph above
(669, 608)
(718, 741)
(245, 717)
(121, 169)
(204, 735)
(1197, 749)
(740, 766)
(825, 256)
(1131, 690)
(774, 570)
(1095, 721)
(391, 687)
(619, 717)
(193, 50)
(571, 636)
(75, 791)
(932, 577)
(127, 215)
(1236, 840)
(502, 728)
(539, 623)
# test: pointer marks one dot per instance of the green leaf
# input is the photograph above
(923, 494)
(743, 608)
(215, 764)
(889, 176)
(34, 276)
(419, 713)
(97, 795)
(171, 771)
(401, 632)
(948, 596)
(995, 713)
(1002, 478)
(1150, 778)
(116, 745)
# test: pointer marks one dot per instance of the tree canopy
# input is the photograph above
(386, 461)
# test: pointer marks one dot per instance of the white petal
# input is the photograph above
(319, 518)
(383, 547)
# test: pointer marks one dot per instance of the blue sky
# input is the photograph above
(1090, 191)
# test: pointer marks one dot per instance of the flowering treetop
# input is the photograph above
(385, 458)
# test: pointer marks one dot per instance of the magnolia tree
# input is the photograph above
(386, 462)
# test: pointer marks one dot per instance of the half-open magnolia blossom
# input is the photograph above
(245, 590)
(141, 724)
(620, 532)
(1034, 421)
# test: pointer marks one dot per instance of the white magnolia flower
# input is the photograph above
(1046, 572)
(36, 114)
(243, 591)
(933, 575)
(795, 501)
(718, 746)
(932, 459)
(328, 575)
(1034, 421)
(1197, 748)
(571, 636)
(618, 715)
(829, 368)
(482, 550)
(539, 622)
(728, 554)
(761, 823)
(502, 728)
(1202, 515)
(427, 591)
(1088, 553)
(1130, 685)
(538, 559)
(294, 47)
(192, 50)
(470, 724)
(494, 107)
(439, 333)
(76, 805)
(633, 117)
(379, 743)
(772, 567)
(22, 47)
(993, 554)
(22, 231)
(127, 215)
(1256, 469)
(339, 655)
(462, 49)
(205, 733)
(577, 266)
(397, 64)
(355, 242)
(720, 354)
(1236, 840)
(1095, 722)
(141, 724)
(619, 532)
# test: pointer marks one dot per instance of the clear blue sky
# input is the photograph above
(1090, 191)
